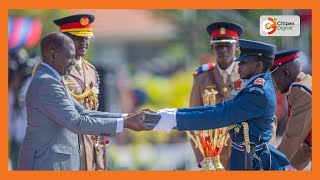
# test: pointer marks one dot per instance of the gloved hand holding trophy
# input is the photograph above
(210, 142)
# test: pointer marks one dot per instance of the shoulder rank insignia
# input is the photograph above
(258, 89)
(259, 81)
(204, 67)
(86, 63)
(297, 84)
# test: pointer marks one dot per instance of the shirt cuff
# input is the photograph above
(120, 123)
(124, 115)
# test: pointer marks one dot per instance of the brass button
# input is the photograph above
(225, 89)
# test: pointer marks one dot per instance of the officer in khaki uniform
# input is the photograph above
(288, 78)
(83, 84)
(223, 77)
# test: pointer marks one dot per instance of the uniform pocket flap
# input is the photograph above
(61, 148)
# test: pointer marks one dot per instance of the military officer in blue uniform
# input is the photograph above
(249, 114)
(222, 77)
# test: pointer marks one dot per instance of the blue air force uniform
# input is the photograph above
(255, 106)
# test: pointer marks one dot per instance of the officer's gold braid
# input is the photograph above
(35, 67)
(88, 93)
(80, 97)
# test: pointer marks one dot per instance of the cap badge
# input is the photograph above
(84, 21)
(222, 30)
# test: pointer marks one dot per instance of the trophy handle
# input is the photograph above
(190, 136)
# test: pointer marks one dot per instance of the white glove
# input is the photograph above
(168, 110)
(167, 120)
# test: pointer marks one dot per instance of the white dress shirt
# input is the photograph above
(227, 72)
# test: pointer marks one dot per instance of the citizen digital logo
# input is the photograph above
(285, 23)
(280, 25)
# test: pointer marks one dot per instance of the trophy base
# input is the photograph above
(208, 164)
(217, 164)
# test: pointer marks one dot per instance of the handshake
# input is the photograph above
(163, 120)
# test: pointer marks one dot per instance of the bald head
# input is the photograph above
(286, 74)
(58, 50)
(53, 41)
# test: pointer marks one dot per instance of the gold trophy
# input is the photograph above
(210, 142)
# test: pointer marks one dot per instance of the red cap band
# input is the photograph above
(228, 33)
(74, 25)
(284, 59)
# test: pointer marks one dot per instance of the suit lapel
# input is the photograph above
(51, 73)
(47, 70)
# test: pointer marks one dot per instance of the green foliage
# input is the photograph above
(164, 92)
(175, 52)
(191, 26)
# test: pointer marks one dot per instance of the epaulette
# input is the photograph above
(297, 84)
(204, 67)
(97, 74)
(88, 64)
(259, 81)
(35, 68)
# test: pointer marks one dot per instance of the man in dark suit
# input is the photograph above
(55, 119)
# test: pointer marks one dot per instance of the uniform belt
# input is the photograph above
(240, 147)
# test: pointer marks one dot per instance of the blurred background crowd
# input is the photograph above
(145, 59)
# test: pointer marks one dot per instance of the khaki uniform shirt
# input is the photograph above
(298, 123)
(213, 79)
(91, 157)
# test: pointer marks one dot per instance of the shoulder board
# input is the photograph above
(297, 84)
(256, 88)
(259, 81)
(88, 64)
(204, 67)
